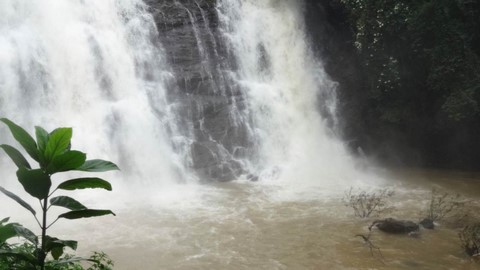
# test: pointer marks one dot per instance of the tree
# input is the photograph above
(421, 62)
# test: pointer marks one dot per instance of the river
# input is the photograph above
(246, 225)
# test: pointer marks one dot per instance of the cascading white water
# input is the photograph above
(283, 83)
(96, 66)
(100, 67)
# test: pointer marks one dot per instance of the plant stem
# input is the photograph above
(44, 233)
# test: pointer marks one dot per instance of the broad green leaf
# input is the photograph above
(10, 230)
(42, 138)
(86, 213)
(19, 256)
(35, 182)
(67, 202)
(53, 242)
(72, 260)
(82, 183)
(25, 233)
(55, 246)
(18, 200)
(67, 161)
(57, 252)
(98, 165)
(58, 143)
(6, 232)
(5, 220)
(23, 138)
(16, 156)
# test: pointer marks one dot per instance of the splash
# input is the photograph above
(99, 67)
(286, 88)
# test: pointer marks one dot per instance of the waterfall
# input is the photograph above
(97, 66)
(286, 88)
(175, 91)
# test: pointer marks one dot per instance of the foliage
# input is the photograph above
(429, 43)
(97, 261)
(443, 204)
(420, 62)
(102, 262)
(52, 151)
(366, 203)
(470, 239)
(371, 246)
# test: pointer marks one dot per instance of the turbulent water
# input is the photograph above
(99, 67)
(180, 93)
(285, 87)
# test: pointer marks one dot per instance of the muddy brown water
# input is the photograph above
(243, 225)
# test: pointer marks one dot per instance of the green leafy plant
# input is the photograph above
(97, 261)
(52, 151)
(14, 256)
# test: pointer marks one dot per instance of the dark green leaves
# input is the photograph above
(58, 143)
(19, 256)
(51, 242)
(67, 202)
(10, 230)
(67, 161)
(86, 213)
(25, 233)
(42, 138)
(82, 183)
(16, 156)
(18, 200)
(6, 232)
(53, 154)
(35, 182)
(55, 245)
(4, 220)
(97, 165)
(23, 138)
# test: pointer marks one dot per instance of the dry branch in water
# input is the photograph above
(366, 203)
(371, 246)
(470, 239)
(443, 204)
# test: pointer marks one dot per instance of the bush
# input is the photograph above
(470, 239)
(443, 204)
(366, 203)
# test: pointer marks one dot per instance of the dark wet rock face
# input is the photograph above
(208, 102)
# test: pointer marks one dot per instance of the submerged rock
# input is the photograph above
(427, 224)
(391, 225)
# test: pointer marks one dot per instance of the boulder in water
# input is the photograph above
(427, 224)
(391, 225)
